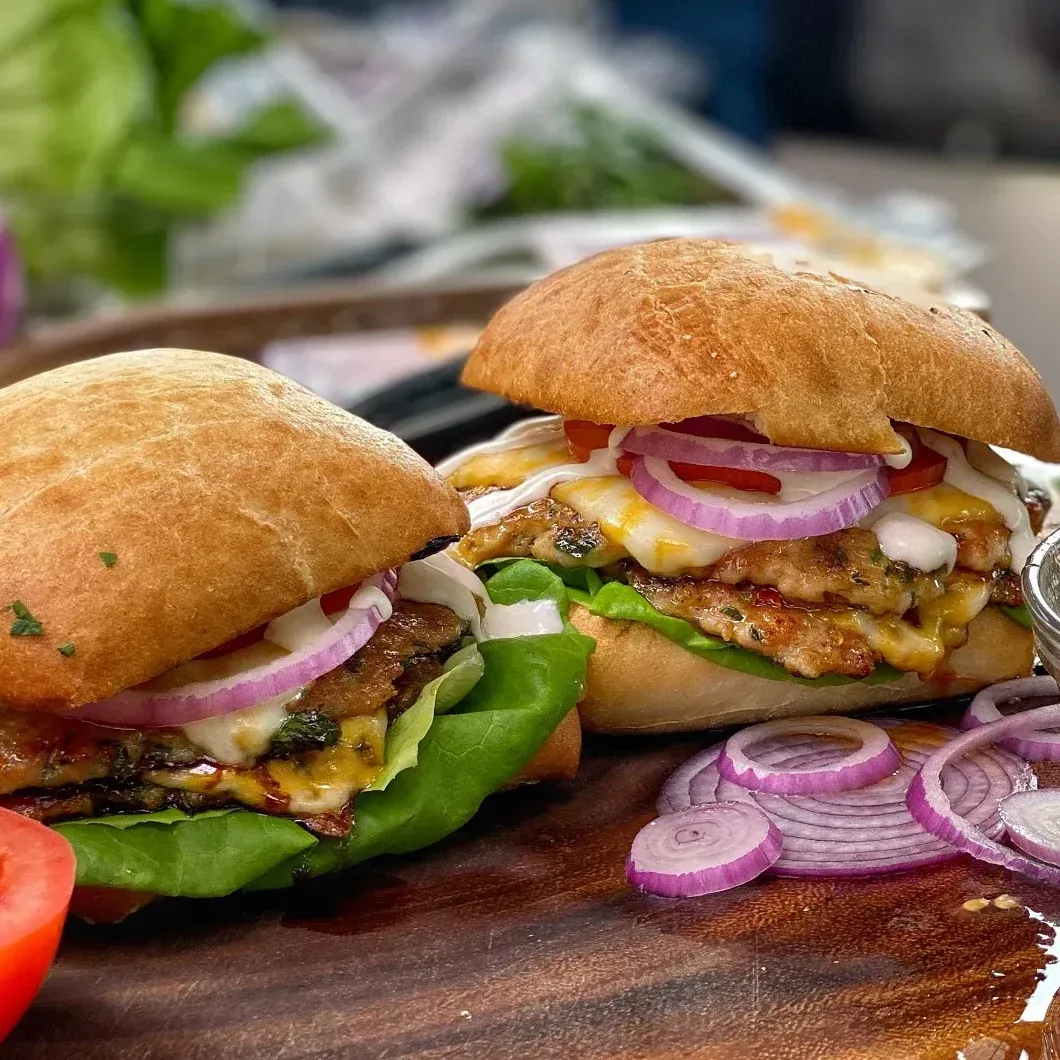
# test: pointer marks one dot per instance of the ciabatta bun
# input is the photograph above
(228, 494)
(662, 331)
(638, 681)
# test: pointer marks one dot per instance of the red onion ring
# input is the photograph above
(824, 513)
(867, 831)
(875, 759)
(930, 805)
(702, 850)
(1036, 746)
(667, 444)
(1032, 821)
(207, 699)
(691, 784)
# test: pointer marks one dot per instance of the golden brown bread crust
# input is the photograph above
(662, 331)
(558, 756)
(228, 493)
(638, 681)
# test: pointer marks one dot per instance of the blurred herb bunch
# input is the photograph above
(95, 170)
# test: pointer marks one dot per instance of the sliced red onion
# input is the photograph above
(834, 509)
(12, 290)
(875, 759)
(929, 804)
(702, 850)
(1035, 746)
(867, 831)
(691, 784)
(1032, 822)
(136, 709)
(671, 445)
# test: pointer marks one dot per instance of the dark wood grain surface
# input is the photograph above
(519, 938)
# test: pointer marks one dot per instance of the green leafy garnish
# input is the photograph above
(25, 625)
(109, 558)
(877, 555)
(733, 613)
(1020, 615)
(493, 708)
(66, 649)
(306, 730)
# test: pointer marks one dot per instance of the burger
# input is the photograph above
(235, 652)
(770, 492)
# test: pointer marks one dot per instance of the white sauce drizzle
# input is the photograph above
(494, 506)
(440, 579)
(300, 627)
(902, 459)
(533, 431)
(240, 737)
(963, 476)
(906, 539)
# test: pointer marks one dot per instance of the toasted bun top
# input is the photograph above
(228, 494)
(663, 331)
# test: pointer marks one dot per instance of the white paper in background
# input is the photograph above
(346, 368)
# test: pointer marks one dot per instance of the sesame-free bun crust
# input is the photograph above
(638, 681)
(558, 756)
(228, 494)
(663, 331)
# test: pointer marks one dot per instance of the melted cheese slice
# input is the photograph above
(943, 625)
(942, 506)
(243, 735)
(657, 541)
(317, 782)
(511, 467)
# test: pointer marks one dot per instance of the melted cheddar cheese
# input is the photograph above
(312, 783)
(509, 468)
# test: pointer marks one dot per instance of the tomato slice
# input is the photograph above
(36, 880)
(338, 599)
(753, 481)
(107, 905)
(926, 469)
(716, 427)
(583, 436)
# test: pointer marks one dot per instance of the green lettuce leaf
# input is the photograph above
(620, 601)
(1020, 615)
(486, 717)
(203, 856)
(403, 738)
(529, 684)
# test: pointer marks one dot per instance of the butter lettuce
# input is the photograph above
(469, 733)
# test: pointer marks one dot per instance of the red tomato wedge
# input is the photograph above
(36, 880)
(716, 427)
(926, 469)
(583, 436)
(753, 481)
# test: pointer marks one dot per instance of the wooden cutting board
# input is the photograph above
(519, 938)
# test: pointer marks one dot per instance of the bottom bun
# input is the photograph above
(558, 756)
(638, 681)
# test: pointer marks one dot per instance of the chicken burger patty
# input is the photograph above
(306, 759)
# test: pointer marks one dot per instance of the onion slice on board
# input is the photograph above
(1035, 746)
(692, 784)
(929, 804)
(137, 708)
(833, 509)
(702, 850)
(1032, 822)
(671, 445)
(875, 759)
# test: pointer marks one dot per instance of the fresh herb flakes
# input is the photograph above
(25, 625)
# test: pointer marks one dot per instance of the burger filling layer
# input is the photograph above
(898, 584)
(305, 754)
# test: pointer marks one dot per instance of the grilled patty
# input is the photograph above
(53, 767)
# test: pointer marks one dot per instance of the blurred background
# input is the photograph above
(346, 188)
